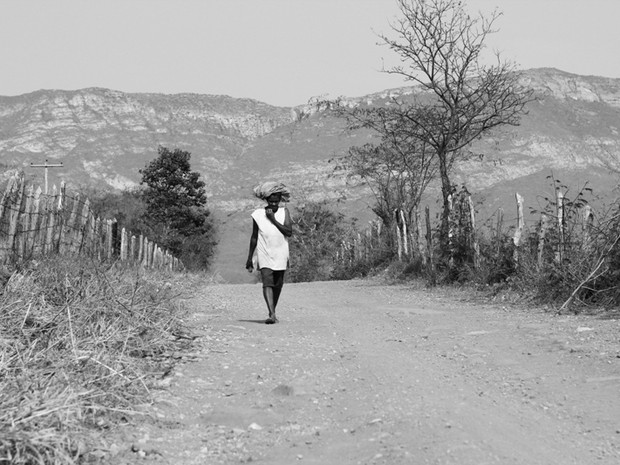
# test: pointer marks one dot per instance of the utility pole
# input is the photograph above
(46, 165)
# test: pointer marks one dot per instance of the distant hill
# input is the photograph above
(103, 137)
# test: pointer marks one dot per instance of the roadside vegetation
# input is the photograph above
(84, 343)
(570, 259)
(82, 348)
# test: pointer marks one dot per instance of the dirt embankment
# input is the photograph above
(360, 373)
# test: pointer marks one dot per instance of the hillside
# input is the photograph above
(103, 137)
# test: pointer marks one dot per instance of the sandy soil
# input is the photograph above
(362, 373)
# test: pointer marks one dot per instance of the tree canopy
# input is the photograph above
(176, 212)
(396, 166)
(440, 47)
(174, 194)
(458, 98)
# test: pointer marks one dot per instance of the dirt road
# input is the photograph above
(359, 373)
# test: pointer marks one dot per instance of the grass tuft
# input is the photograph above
(80, 346)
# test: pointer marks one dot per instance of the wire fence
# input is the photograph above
(36, 224)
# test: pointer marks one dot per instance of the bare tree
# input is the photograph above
(396, 166)
(461, 99)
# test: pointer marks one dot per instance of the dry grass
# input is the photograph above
(80, 346)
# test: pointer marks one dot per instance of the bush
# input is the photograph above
(353, 265)
(577, 265)
(318, 232)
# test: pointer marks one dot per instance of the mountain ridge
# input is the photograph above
(103, 137)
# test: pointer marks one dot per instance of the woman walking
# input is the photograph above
(269, 253)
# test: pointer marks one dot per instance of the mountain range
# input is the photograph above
(104, 137)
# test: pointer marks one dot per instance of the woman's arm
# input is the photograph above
(253, 241)
(287, 228)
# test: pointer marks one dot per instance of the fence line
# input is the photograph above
(34, 224)
(409, 244)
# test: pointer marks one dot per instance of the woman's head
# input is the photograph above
(274, 199)
(266, 189)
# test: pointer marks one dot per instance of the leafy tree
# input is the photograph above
(440, 47)
(175, 202)
(174, 195)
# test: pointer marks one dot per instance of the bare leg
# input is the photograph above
(276, 296)
(269, 295)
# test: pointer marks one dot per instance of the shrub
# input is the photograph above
(318, 233)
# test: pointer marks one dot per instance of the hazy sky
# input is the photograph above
(281, 52)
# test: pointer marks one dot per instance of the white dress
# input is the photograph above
(272, 246)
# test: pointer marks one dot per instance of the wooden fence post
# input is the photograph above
(124, 245)
(404, 232)
(89, 242)
(149, 254)
(399, 242)
(32, 235)
(14, 216)
(26, 217)
(81, 228)
(41, 234)
(145, 251)
(52, 221)
(60, 222)
(67, 231)
(516, 239)
(472, 233)
(418, 229)
(81, 232)
(6, 197)
(541, 238)
(587, 220)
(98, 239)
(429, 244)
(109, 244)
(559, 254)
(34, 224)
(140, 248)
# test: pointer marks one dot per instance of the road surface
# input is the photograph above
(364, 373)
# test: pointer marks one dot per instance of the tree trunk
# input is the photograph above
(446, 191)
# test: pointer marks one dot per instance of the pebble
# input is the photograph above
(582, 329)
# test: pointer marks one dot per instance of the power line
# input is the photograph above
(46, 165)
